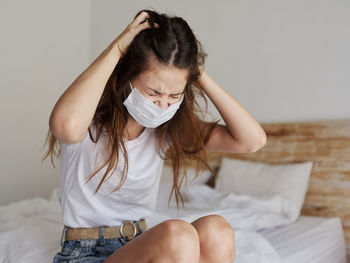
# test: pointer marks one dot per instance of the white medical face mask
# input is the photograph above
(147, 113)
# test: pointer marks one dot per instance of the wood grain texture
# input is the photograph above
(327, 144)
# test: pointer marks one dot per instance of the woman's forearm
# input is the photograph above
(240, 123)
(73, 112)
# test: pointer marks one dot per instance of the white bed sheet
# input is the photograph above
(309, 240)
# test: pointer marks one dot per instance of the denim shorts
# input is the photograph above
(89, 250)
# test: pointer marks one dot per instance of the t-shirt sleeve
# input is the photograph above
(74, 146)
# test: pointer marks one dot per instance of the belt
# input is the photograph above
(128, 229)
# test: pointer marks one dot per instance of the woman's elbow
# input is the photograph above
(259, 145)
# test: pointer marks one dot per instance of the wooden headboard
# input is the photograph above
(327, 144)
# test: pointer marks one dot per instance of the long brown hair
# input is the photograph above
(172, 44)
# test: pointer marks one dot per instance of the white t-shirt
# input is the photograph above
(136, 198)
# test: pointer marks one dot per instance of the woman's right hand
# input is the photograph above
(123, 41)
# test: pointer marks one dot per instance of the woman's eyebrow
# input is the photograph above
(169, 94)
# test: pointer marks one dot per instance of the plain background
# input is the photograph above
(282, 60)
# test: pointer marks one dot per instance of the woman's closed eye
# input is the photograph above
(155, 93)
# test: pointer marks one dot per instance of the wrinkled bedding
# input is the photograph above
(30, 229)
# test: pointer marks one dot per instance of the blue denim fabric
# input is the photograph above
(89, 250)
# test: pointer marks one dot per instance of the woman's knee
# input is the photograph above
(179, 239)
(216, 226)
(216, 235)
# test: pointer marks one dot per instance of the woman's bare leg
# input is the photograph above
(216, 237)
(171, 241)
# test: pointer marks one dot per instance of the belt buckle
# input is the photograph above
(121, 229)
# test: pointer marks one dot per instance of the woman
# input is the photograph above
(132, 108)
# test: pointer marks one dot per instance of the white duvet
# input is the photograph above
(30, 229)
(246, 215)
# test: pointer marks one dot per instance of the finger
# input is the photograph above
(146, 24)
(137, 29)
(140, 18)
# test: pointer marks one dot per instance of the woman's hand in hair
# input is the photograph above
(123, 41)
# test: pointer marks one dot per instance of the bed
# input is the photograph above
(317, 231)
(309, 239)
(322, 231)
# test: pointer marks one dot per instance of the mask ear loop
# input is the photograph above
(182, 98)
(125, 97)
(124, 94)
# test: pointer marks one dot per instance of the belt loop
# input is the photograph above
(63, 235)
(139, 226)
(101, 233)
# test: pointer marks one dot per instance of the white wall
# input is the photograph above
(44, 45)
(282, 60)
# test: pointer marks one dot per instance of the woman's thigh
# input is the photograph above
(173, 240)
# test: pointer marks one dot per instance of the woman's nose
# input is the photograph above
(163, 103)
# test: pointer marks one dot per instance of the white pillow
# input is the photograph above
(203, 175)
(261, 179)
